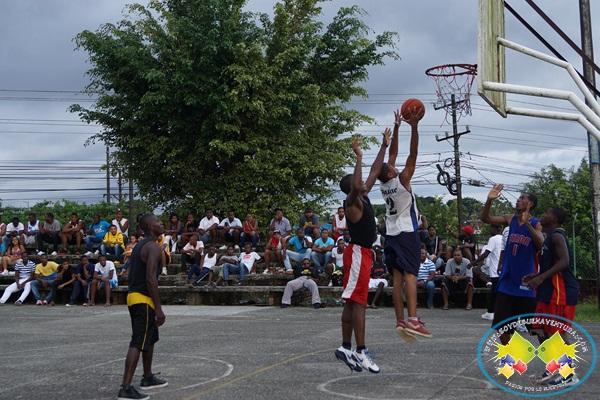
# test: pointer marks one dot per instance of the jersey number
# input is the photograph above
(391, 205)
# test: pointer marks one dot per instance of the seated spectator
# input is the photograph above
(468, 243)
(207, 228)
(173, 232)
(321, 251)
(204, 268)
(273, 250)
(127, 254)
(302, 248)
(65, 277)
(45, 275)
(339, 223)
(49, 233)
(190, 228)
(105, 277)
(14, 229)
(250, 231)
(459, 279)
(2, 236)
(280, 223)
(98, 230)
(248, 259)
(192, 252)
(433, 243)
(71, 234)
(378, 279)
(31, 230)
(13, 253)
(305, 280)
(24, 275)
(209, 263)
(121, 223)
(229, 258)
(113, 243)
(82, 275)
(337, 267)
(230, 229)
(347, 236)
(309, 221)
(166, 254)
(426, 276)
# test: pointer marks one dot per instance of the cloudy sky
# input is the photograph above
(43, 154)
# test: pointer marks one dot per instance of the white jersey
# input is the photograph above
(400, 207)
(340, 224)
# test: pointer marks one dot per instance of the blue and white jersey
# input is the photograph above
(401, 208)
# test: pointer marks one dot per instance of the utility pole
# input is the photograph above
(456, 135)
(120, 184)
(107, 176)
(131, 218)
(594, 155)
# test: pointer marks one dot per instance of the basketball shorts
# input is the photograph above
(357, 273)
(565, 311)
(508, 306)
(403, 252)
(143, 326)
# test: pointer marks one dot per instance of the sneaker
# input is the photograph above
(18, 303)
(316, 306)
(88, 254)
(404, 334)
(564, 382)
(4, 273)
(54, 253)
(152, 382)
(487, 316)
(365, 360)
(69, 305)
(547, 376)
(97, 252)
(266, 271)
(129, 392)
(39, 303)
(345, 356)
(284, 305)
(224, 247)
(488, 284)
(44, 303)
(40, 253)
(236, 247)
(417, 328)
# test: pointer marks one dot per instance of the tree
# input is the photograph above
(208, 105)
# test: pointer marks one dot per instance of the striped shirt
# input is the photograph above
(25, 271)
(427, 268)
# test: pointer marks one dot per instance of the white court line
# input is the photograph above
(12, 353)
(218, 378)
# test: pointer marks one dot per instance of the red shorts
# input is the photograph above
(565, 311)
(357, 272)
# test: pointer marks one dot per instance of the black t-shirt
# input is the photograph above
(464, 239)
(431, 244)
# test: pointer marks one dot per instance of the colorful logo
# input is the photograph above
(525, 367)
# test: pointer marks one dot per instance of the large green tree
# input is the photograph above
(209, 105)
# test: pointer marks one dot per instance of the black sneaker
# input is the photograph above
(152, 382)
(129, 392)
(316, 306)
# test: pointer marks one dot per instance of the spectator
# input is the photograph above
(273, 249)
(250, 231)
(339, 223)
(459, 278)
(166, 253)
(280, 223)
(71, 234)
(32, 230)
(127, 254)
(302, 248)
(2, 236)
(98, 230)
(121, 223)
(14, 229)
(337, 255)
(209, 264)
(204, 268)
(490, 258)
(305, 280)
(433, 243)
(468, 243)
(82, 275)
(247, 264)
(50, 233)
(173, 233)
(207, 228)
(24, 269)
(105, 276)
(230, 229)
(113, 243)
(192, 252)
(229, 258)
(378, 279)
(309, 221)
(14, 253)
(190, 228)
(347, 236)
(45, 275)
(426, 277)
(65, 278)
(321, 251)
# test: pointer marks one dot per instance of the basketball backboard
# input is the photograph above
(490, 56)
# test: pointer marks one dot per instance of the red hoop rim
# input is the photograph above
(463, 69)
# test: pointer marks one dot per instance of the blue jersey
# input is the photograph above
(520, 259)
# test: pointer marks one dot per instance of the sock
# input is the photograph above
(359, 349)
(413, 319)
(346, 345)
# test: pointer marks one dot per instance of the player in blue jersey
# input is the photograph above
(525, 240)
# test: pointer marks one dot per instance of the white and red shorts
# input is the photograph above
(357, 273)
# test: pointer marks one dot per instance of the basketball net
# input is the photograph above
(454, 79)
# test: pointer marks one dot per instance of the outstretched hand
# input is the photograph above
(397, 118)
(495, 192)
(356, 146)
(415, 115)
(387, 137)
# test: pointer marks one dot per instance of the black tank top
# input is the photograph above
(137, 269)
(363, 232)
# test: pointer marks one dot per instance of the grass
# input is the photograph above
(587, 312)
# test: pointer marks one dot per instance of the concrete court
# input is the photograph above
(244, 353)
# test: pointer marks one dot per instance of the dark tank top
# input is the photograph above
(363, 232)
(137, 269)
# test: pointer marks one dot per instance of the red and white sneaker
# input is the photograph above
(417, 328)
(38, 303)
(44, 302)
(404, 334)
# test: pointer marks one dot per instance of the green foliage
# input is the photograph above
(212, 106)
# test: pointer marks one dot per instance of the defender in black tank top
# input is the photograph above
(363, 232)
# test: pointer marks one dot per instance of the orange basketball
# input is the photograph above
(411, 106)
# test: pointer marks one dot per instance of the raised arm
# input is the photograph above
(378, 163)
(411, 161)
(394, 145)
(353, 204)
(485, 213)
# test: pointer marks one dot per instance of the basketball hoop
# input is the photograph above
(453, 79)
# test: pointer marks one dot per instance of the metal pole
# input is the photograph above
(594, 155)
(107, 175)
(120, 184)
(457, 164)
(574, 247)
(131, 218)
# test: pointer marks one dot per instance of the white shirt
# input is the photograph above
(206, 223)
(400, 208)
(11, 228)
(340, 224)
(199, 246)
(339, 257)
(210, 262)
(494, 246)
(248, 259)
(33, 229)
(116, 223)
(104, 271)
(236, 223)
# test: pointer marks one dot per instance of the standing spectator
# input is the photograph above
(2, 236)
(378, 279)
(173, 232)
(14, 229)
(105, 276)
(339, 223)
(192, 252)
(50, 233)
(273, 250)
(280, 223)
(229, 258)
(426, 276)
(490, 258)
(230, 229)
(46, 273)
(82, 275)
(13, 254)
(321, 251)
(433, 243)
(32, 230)
(247, 260)
(98, 230)
(305, 280)
(250, 231)
(121, 223)
(302, 248)
(24, 269)
(309, 221)
(71, 234)
(190, 228)
(113, 243)
(207, 228)
(459, 279)
(133, 241)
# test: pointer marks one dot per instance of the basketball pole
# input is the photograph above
(594, 155)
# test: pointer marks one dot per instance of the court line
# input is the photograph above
(12, 354)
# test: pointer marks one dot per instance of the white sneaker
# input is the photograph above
(88, 254)
(224, 247)
(54, 253)
(40, 253)
(164, 271)
(365, 361)
(97, 252)
(488, 316)
(345, 356)
(4, 273)
(266, 271)
(236, 247)
(488, 284)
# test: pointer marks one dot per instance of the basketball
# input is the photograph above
(411, 106)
